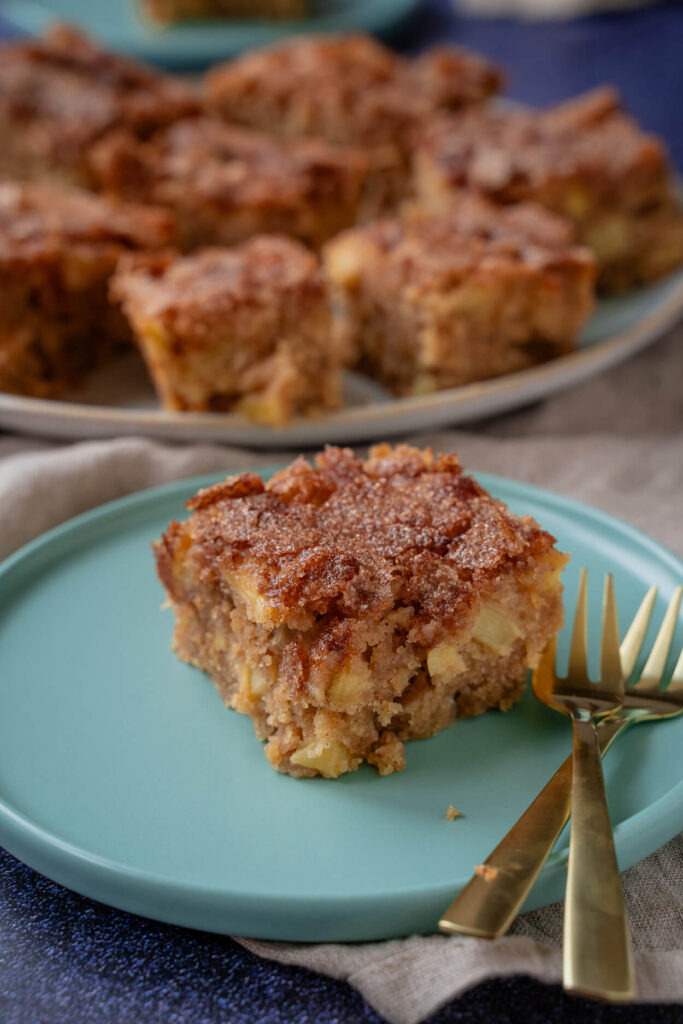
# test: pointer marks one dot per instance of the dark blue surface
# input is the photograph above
(67, 960)
(639, 51)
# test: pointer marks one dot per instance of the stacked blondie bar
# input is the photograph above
(316, 205)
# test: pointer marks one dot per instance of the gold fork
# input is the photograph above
(487, 906)
(597, 954)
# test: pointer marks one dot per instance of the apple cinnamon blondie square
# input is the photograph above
(225, 184)
(61, 93)
(348, 606)
(437, 300)
(585, 159)
(58, 250)
(351, 91)
(244, 329)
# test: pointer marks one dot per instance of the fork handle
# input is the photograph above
(486, 907)
(598, 960)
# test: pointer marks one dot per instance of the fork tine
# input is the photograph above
(610, 661)
(577, 656)
(633, 641)
(656, 663)
(543, 677)
(676, 684)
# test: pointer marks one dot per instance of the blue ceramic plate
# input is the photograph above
(189, 45)
(124, 777)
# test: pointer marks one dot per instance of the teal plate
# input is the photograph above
(195, 44)
(122, 775)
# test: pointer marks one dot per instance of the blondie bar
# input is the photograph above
(61, 93)
(225, 184)
(350, 90)
(349, 606)
(586, 160)
(437, 300)
(58, 249)
(244, 329)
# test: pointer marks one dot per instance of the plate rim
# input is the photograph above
(197, 44)
(353, 424)
(38, 846)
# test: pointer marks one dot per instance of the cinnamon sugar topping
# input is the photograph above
(403, 525)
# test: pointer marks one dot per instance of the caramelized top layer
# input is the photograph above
(513, 155)
(353, 538)
(428, 249)
(227, 166)
(37, 218)
(194, 292)
(347, 88)
(77, 91)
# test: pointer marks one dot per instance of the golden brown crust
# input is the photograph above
(227, 183)
(357, 537)
(60, 93)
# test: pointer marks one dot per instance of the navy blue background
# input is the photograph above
(68, 960)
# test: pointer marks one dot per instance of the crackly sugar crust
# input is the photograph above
(35, 219)
(194, 293)
(214, 174)
(427, 249)
(355, 537)
(347, 88)
(60, 93)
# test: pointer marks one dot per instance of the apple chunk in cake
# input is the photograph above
(349, 606)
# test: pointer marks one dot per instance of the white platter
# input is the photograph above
(121, 402)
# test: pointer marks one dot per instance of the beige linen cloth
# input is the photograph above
(616, 442)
